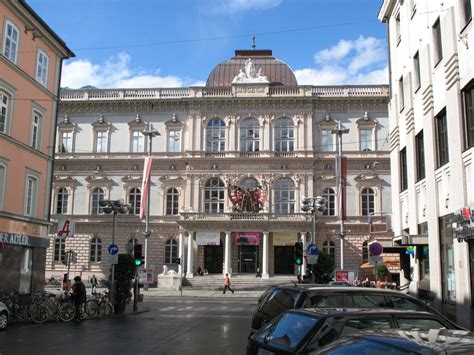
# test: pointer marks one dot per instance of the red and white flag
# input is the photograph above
(145, 185)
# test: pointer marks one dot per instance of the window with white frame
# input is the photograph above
(97, 196)
(327, 141)
(59, 249)
(35, 137)
(366, 140)
(134, 200)
(31, 195)
(284, 135)
(215, 135)
(250, 135)
(3, 183)
(42, 66)
(330, 196)
(437, 42)
(62, 199)
(174, 141)
(66, 142)
(138, 142)
(171, 251)
(101, 141)
(330, 249)
(172, 198)
(4, 110)
(284, 190)
(214, 196)
(95, 250)
(10, 41)
(368, 201)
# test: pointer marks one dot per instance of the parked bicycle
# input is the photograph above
(18, 311)
(99, 306)
(46, 306)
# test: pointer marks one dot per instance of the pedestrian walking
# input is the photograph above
(93, 281)
(227, 284)
(79, 296)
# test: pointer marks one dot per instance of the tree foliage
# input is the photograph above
(124, 273)
(380, 271)
(324, 268)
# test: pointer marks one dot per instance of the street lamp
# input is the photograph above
(114, 207)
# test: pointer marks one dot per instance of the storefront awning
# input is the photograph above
(389, 261)
(411, 239)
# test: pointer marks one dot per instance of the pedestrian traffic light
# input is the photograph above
(299, 253)
(137, 255)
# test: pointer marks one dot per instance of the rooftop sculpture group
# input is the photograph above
(250, 75)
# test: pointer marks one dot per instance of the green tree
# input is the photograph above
(380, 271)
(324, 268)
(124, 273)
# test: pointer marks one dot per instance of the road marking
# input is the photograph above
(197, 315)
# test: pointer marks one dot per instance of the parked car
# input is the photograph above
(306, 330)
(394, 342)
(4, 315)
(278, 299)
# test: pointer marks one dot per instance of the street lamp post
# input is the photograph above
(114, 207)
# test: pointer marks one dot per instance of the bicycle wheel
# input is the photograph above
(106, 309)
(66, 312)
(92, 308)
(39, 313)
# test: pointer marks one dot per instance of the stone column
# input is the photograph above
(190, 270)
(303, 240)
(181, 253)
(265, 274)
(227, 254)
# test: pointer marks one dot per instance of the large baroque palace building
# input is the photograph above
(252, 130)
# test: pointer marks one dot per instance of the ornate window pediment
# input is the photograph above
(66, 124)
(101, 124)
(327, 123)
(168, 181)
(98, 180)
(137, 124)
(368, 180)
(366, 122)
(64, 180)
(327, 178)
(132, 181)
(174, 124)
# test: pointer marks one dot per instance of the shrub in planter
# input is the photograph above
(381, 271)
(324, 268)
(124, 273)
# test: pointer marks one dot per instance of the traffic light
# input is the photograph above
(137, 255)
(299, 253)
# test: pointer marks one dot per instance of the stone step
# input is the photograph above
(216, 282)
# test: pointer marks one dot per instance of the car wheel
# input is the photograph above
(3, 320)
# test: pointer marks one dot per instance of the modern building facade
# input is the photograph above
(432, 146)
(230, 166)
(30, 69)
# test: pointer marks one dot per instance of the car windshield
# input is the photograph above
(288, 331)
(279, 301)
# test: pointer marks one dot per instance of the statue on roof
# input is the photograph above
(251, 75)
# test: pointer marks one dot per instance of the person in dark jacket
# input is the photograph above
(79, 296)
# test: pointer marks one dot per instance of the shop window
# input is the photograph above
(330, 197)
(26, 271)
(284, 190)
(134, 200)
(172, 198)
(215, 135)
(214, 191)
(62, 199)
(171, 251)
(250, 135)
(95, 250)
(59, 250)
(448, 275)
(284, 135)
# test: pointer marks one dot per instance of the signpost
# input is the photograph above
(375, 252)
(312, 254)
(113, 254)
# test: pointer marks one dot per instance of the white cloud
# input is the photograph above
(115, 72)
(360, 61)
(232, 6)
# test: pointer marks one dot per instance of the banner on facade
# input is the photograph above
(247, 238)
(145, 185)
(284, 239)
(208, 238)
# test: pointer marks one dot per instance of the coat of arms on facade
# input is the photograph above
(250, 74)
(247, 199)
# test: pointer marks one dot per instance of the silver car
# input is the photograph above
(4, 315)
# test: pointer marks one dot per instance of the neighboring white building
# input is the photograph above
(250, 126)
(431, 46)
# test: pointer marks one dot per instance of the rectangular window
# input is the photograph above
(26, 271)
(31, 196)
(138, 142)
(401, 94)
(420, 156)
(416, 71)
(468, 95)
(397, 29)
(3, 111)
(403, 170)
(3, 182)
(448, 276)
(366, 140)
(174, 142)
(442, 153)
(66, 142)
(327, 141)
(437, 43)
(35, 130)
(42, 68)
(466, 12)
(10, 42)
(101, 142)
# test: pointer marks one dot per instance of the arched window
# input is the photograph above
(62, 198)
(59, 249)
(171, 251)
(214, 196)
(330, 197)
(215, 135)
(95, 250)
(249, 183)
(330, 249)
(284, 135)
(284, 192)
(172, 196)
(134, 197)
(368, 201)
(365, 252)
(4, 111)
(250, 135)
(97, 196)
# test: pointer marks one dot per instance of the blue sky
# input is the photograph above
(172, 43)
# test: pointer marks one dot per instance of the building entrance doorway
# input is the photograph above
(248, 259)
(284, 260)
(213, 258)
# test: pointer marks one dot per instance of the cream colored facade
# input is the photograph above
(431, 47)
(261, 132)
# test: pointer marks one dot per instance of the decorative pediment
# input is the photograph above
(169, 181)
(327, 178)
(368, 179)
(366, 121)
(98, 179)
(66, 124)
(101, 123)
(137, 124)
(174, 123)
(327, 123)
(64, 180)
(128, 179)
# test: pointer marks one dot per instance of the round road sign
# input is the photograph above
(375, 249)
(113, 249)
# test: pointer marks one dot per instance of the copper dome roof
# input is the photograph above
(277, 71)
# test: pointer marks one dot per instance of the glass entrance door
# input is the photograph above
(248, 259)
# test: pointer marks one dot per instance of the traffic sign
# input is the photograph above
(375, 248)
(113, 259)
(311, 259)
(312, 249)
(113, 249)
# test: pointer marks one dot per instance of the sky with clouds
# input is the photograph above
(162, 43)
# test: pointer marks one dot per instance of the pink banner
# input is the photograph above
(247, 238)
(145, 186)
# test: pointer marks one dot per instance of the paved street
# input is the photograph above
(184, 325)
